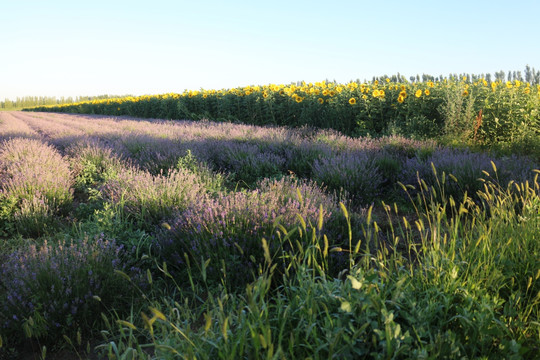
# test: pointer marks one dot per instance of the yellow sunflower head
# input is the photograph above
(418, 93)
(400, 99)
(465, 93)
(427, 92)
(320, 100)
(352, 101)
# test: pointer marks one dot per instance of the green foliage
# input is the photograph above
(146, 199)
(462, 274)
(424, 109)
(213, 182)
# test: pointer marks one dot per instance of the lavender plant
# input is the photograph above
(35, 183)
(229, 227)
(355, 172)
(464, 170)
(248, 163)
(13, 127)
(59, 288)
(148, 199)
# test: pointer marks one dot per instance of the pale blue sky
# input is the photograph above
(69, 48)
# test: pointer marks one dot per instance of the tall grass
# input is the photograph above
(459, 282)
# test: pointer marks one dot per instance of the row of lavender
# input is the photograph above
(365, 168)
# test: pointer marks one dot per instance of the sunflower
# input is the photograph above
(418, 93)
(298, 99)
(320, 100)
(427, 92)
(400, 99)
(403, 94)
(364, 97)
(465, 93)
(375, 93)
(352, 101)
(265, 94)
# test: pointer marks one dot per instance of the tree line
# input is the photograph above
(31, 101)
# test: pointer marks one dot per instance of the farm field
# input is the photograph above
(124, 237)
(465, 107)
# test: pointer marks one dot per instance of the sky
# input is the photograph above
(75, 48)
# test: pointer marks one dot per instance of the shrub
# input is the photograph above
(230, 227)
(248, 162)
(35, 184)
(148, 199)
(93, 163)
(302, 156)
(57, 289)
(466, 168)
(356, 172)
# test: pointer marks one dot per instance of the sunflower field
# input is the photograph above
(483, 111)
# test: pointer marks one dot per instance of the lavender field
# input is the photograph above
(126, 238)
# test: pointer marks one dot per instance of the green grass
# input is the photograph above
(460, 282)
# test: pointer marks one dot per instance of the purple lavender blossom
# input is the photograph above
(51, 281)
